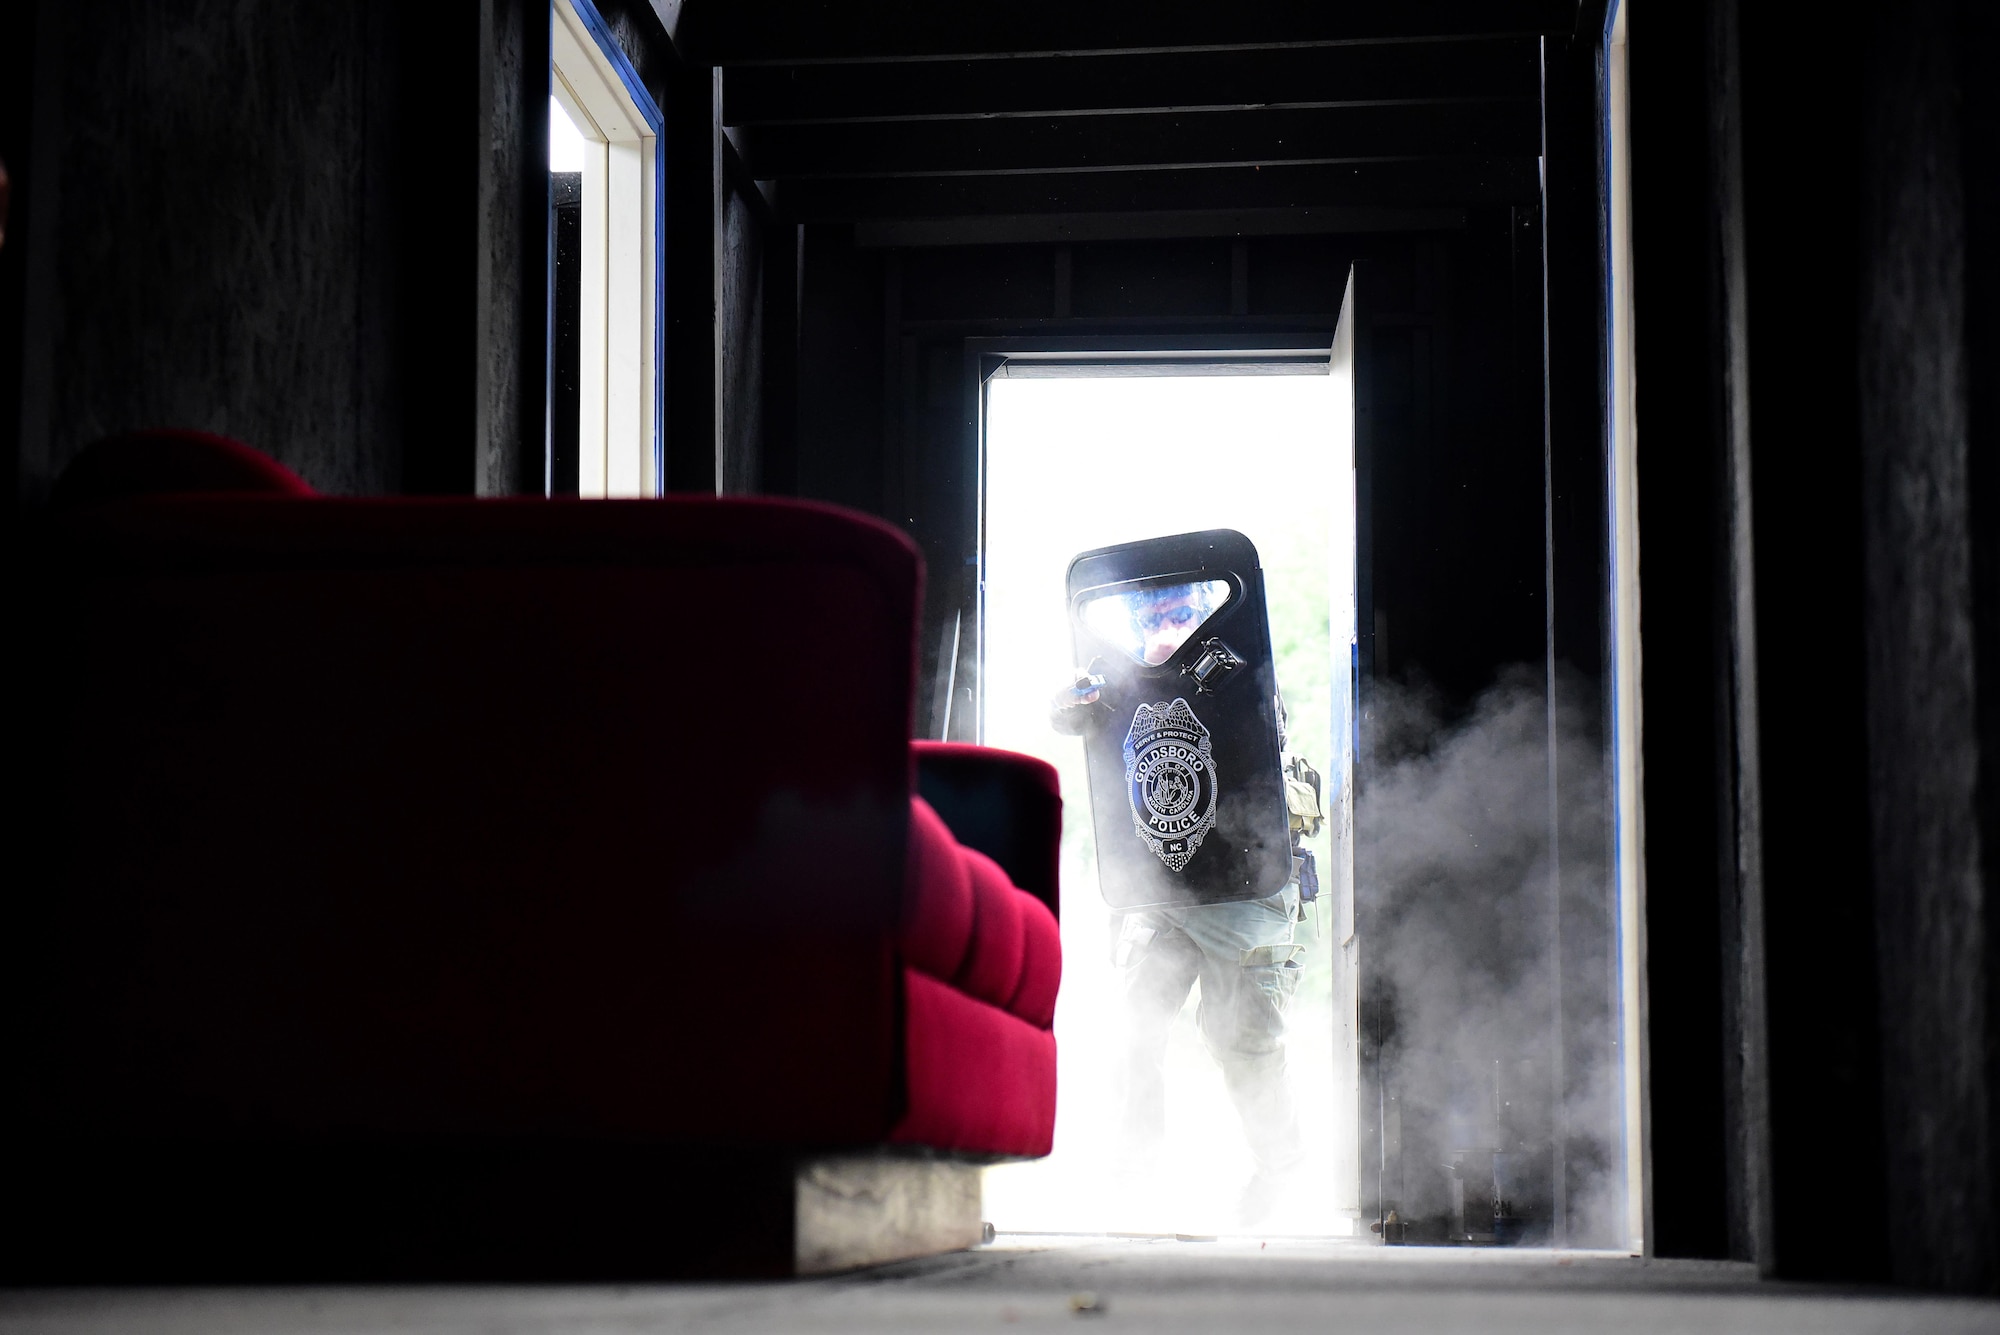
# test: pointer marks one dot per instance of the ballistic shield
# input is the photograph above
(1187, 793)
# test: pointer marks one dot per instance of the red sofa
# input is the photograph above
(403, 832)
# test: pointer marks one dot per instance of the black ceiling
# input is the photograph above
(904, 109)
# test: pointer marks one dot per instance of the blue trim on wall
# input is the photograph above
(607, 43)
(649, 111)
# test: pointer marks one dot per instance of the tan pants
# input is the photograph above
(1249, 967)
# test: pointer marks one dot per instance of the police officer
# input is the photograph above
(1245, 953)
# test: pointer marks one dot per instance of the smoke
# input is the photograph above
(1485, 911)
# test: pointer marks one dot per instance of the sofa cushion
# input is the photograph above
(992, 972)
(937, 897)
(980, 1081)
(1005, 804)
(967, 924)
(1034, 999)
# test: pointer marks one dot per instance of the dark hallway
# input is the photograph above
(523, 813)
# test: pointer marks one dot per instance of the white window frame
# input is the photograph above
(619, 334)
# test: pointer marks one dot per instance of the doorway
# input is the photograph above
(1080, 454)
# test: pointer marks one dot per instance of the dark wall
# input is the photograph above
(199, 234)
(1814, 229)
(636, 28)
(17, 101)
(1799, 197)
(1923, 311)
(741, 307)
(1686, 698)
(510, 343)
(840, 371)
(314, 231)
(732, 302)
(1450, 414)
(238, 230)
(696, 203)
(1761, 1036)
(326, 234)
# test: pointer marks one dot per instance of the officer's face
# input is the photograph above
(1164, 623)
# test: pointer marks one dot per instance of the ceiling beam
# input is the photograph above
(1433, 182)
(1403, 72)
(1159, 139)
(1160, 225)
(791, 32)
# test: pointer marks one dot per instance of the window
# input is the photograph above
(606, 160)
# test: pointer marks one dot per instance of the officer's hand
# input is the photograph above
(1081, 691)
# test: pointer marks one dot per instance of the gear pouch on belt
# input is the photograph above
(1187, 797)
(1305, 869)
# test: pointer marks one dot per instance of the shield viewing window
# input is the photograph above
(1151, 623)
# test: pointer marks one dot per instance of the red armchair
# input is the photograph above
(449, 887)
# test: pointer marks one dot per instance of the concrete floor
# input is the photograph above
(1164, 1286)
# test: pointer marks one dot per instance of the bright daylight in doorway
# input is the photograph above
(565, 140)
(1075, 464)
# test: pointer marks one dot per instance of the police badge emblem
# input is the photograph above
(1170, 778)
